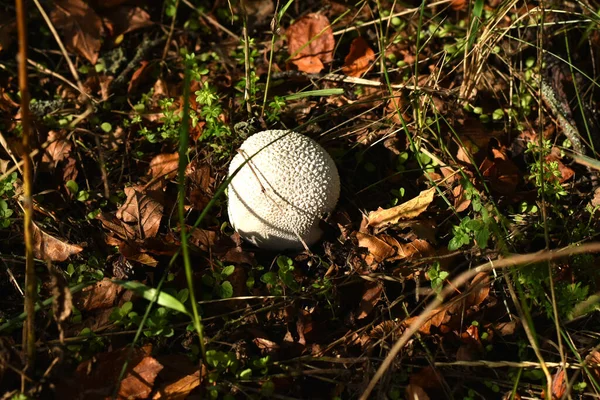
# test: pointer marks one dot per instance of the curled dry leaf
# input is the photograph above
(47, 247)
(359, 58)
(143, 209)
(310, 42)
(81, 27)
(408, 210)
(58, 150)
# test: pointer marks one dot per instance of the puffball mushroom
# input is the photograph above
(278, 197)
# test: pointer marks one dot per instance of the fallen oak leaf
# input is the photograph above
(359, 58)
(408, 210)
(310, 42)
(47, 247)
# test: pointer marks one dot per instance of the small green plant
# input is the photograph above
(160, 321)
(216, 280)
(86, 272)
(7, 191)
(545, 175)
(536, 280)
(80, 195)
(478, 228)
(226, 365)
(277, 282)
(468, 230)
(87, 348)
(437, 277)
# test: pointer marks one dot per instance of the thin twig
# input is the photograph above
(30, 279)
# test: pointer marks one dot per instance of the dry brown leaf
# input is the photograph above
(370, 298)
(96, 378)
(47, 247)
(101, 295)
(502, 173)
(359, 58)
(138, 75)
(458, 5)
(480, 290)
(124, 19)
(139, 382)
(461, 203)
(70, 171)
(116, 226)
(594, 361)
(472, 348)
(408, 210)
(566, 173)
(417, 247)
(559, 386)
(203, 238)
(379, 250)
(311, 42)
(81, 27)
(133, 252)
(265, 345)
(58, 150)
(180, 389)
(200, 182)
(143, 209)
(164, 166)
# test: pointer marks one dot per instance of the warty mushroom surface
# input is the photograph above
(279, 196)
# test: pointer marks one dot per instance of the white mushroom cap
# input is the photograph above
(280, 195)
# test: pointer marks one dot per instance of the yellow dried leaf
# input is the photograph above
(408, 210)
